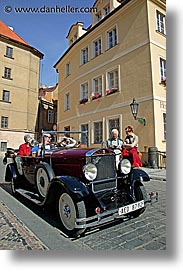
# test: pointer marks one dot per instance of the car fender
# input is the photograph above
(140, 175)
(11, 172)
(71, 185)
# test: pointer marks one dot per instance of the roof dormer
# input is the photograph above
(75, 32)
(103, 7)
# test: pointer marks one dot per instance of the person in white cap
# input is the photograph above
(47, 139)
(25, 148)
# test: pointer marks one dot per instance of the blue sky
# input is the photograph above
(45, 31)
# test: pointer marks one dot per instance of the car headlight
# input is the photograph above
(125, 166)
(90, 171)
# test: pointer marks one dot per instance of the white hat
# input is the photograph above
(47, 135)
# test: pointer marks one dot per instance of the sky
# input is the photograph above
(46, 31)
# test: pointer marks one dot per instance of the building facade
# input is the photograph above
(19, 80)
(47, 109)
(120, 57)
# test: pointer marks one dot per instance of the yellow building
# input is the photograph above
(19, 80)
(120, 57)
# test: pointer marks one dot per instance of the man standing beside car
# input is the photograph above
(115, 143)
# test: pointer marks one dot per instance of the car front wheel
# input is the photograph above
(68, 212)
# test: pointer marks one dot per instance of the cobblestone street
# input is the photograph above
(14, 234)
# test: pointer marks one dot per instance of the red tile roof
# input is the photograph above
(7, 32)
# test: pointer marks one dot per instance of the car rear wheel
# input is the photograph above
(43, 176)
(68, 212)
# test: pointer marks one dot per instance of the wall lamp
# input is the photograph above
(134, 109)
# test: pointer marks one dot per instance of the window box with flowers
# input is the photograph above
(95, 96)
(112, 91)
(83, 100)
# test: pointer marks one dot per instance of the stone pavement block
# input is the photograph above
(14, 235)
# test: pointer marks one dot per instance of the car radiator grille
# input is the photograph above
(106, 176)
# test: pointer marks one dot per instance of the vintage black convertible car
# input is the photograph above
(85, 184)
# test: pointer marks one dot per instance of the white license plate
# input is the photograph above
(130, 208)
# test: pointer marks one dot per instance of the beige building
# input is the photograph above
(19, 80)
(120, 57)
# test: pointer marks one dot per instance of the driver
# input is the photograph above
(67, 142)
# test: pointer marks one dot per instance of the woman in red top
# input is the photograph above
(130, 146)
(25, 148)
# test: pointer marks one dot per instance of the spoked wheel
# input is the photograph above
(68, 211)
(43, 177)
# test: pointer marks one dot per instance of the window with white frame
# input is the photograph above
(111, 38)
(113, 124)
(84, 127)
(164, 125)
(112, 81)
(162, 69)
(6, 96)
(98, 132)
(84, 56)
(67, 102)
(84, 93)
(51, 116)
(67, 69)
(9, 52)
(7, 73)
(4, 122)
(160, 19)
(97, 87)
(97, 47)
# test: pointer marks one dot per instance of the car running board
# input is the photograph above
(29, 195)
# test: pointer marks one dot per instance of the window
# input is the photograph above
(51, 116)
(9, 52)
(114, 124)
(84, 93)
(162, 69)
(7, 73)
(111, 38)
(112, 82)
(106, 10)
(99, 16)
(84, 56)
(3, 146)
(67, 69)
(164, 125)
(97, 87)
(4, 122)
(84, 127)
(98, 132)
(67, 102)
(6, 96)
(97, 50)
(160, 19)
